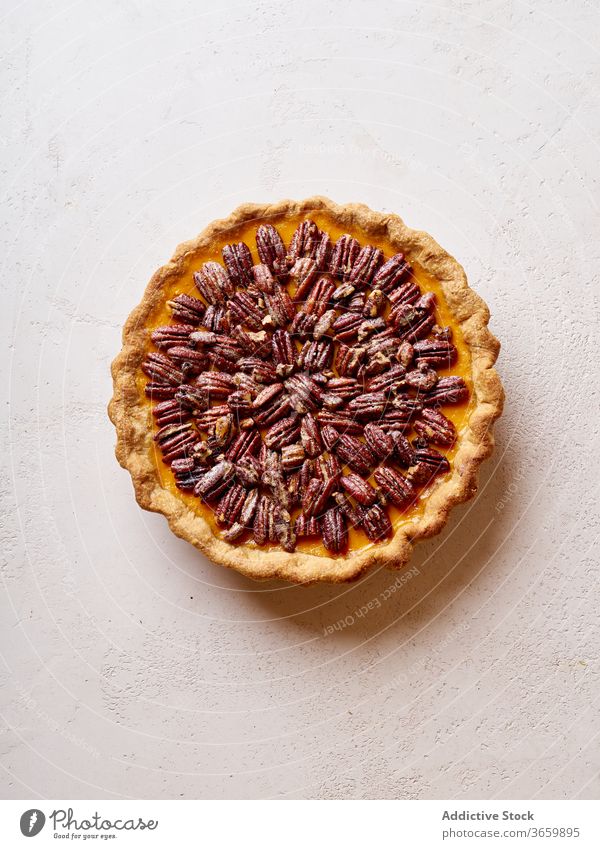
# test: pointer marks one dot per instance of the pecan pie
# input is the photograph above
(306, 390)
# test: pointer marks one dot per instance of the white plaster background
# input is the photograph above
(132, 667)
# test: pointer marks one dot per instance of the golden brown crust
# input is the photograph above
(134, 438)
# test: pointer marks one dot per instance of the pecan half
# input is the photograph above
(435, 427)
(319, 297)
(411, 322)
(256, 343)
(264, 521)
(169, 412)
(448, 390)
(240, 403)
(316, 355)
(324, 324)
(271, 249)
(345, 328)
(310, 436)
(245, 310)
(428, 464)
(230, 506)
(391, 381)
(406, 293)
(364, 267)
(171, 335)
(304, 393)
(190, 360)
(435, 352)
(369, 406)
(359, 489)
(187, 309)
(334, 531)
(161, 369)
(284, 352)
(317, 494)
(238, 262)
(214, 482)
(264, 282)
(273, 412)
(213, 283)
(206, 419)
(216, 319)
(304, 241)
(349, 360)
(354, 513)
(404, 453)
(175, 441)
(292, 457)
(380, 443)
(343, 256)
(280, 306)
(323, 252)
(248, 470)
(350, 450)
(247, 443)
(216, 384)
(160, 391)
(341, 421)
(303, 325)
(395, 486)
(391, 274)
(283, 433)
(302, 276)
(376, 523)
(343, 387)
(423, 379)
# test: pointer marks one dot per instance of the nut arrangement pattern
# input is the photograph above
(301, 395)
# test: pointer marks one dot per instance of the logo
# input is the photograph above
(32, 822)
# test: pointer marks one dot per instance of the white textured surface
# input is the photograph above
(132, 667)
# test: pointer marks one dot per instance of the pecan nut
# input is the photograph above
(304, 241)
(435, 427)
(334, 531)
(238, 262)
(359, 489)
(448, 390)
(310, 436)
(271, 249)
(376, 523)
(391, 274)
(187, 309)
(343, 256)
(395, 486)
(364, 267)
(213, 283)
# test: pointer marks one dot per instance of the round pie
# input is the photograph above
(306, 390)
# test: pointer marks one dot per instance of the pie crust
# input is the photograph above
(129, 409)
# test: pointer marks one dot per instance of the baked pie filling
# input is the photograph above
(307, 387)
(306, 390)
